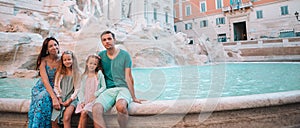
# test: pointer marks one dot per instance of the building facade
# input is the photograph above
(237, 20)
(147, 12)
(159, 11)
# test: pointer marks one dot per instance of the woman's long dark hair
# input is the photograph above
(44, 52)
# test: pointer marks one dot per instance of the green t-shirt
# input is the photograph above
(114, 70)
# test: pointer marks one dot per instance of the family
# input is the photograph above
(106, 82)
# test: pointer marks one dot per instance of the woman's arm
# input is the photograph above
(47, 85)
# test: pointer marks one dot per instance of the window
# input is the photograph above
(166, 14)
(145, 11)
(191, 41)
(284, 10)
(16, 11)
(287, 33)
(220, 20)
(188, 26)
(219, 4)
(155, 14)
(175, 28)
(297, 33)
(188, 10)
(222, 37)
(203, 23)
(235, 2)
(259, 14)
(203, 6)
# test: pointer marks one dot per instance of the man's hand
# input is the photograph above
(138, 100)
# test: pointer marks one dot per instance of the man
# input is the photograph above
(116, 64)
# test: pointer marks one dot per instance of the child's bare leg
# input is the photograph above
(83, 119)
(54, 124)
(98, 111)
(67, 116)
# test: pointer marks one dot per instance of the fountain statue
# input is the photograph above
(77, 26)
(126, 5)
(90, 5)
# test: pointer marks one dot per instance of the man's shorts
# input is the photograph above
(109, 97)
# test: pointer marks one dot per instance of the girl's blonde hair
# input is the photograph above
(99, 66)
(62, 70)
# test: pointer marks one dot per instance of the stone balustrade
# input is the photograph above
(284, 42)
(282, 49)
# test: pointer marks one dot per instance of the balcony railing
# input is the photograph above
(237, 6)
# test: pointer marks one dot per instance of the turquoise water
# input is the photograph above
(191, 82)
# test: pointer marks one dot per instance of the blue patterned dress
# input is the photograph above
(40, 110)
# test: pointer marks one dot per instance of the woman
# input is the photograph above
(43, 97)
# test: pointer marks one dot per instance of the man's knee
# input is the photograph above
(121, 106)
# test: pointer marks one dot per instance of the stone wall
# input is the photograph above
(276, 116)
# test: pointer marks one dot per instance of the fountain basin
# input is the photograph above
(219, 95)
(280, 109)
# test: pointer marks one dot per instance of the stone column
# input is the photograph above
(146, 9)
(180, 9)
(105, 8)
(137, 10)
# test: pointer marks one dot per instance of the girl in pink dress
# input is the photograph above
(92, 84)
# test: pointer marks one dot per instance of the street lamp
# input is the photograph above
(297, 15)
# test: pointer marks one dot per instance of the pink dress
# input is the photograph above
(90, 87)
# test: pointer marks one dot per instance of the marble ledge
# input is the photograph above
(182, 106)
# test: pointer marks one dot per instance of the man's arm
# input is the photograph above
(130, 84)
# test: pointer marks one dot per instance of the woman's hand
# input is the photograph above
(55, 103)
(60, 100)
